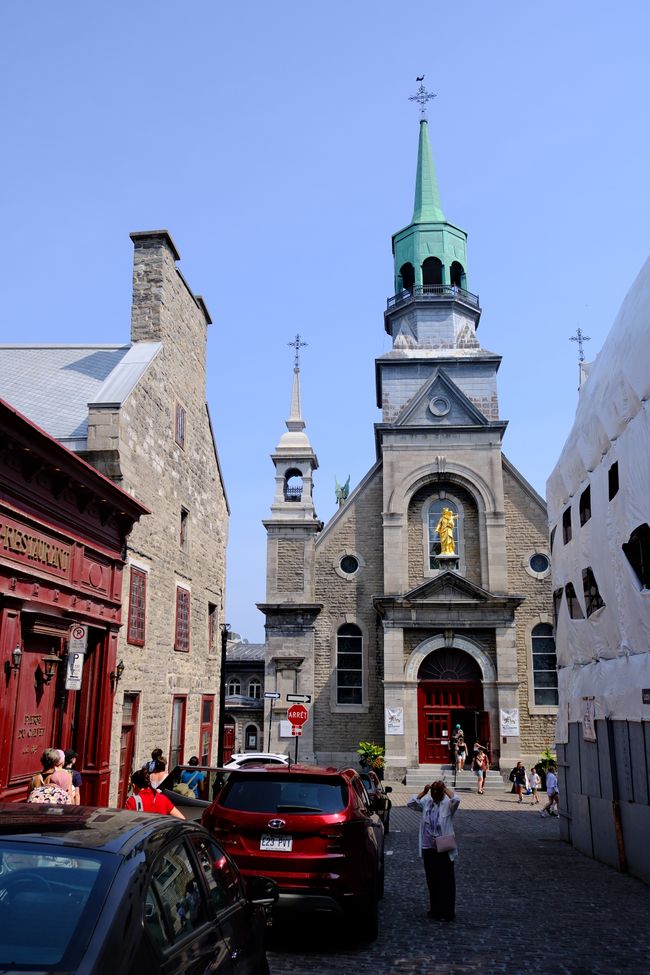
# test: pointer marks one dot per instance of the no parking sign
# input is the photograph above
(77, 643)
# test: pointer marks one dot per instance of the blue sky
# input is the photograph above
(276, 143)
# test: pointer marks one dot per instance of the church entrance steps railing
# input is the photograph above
(432, 292)
(465, 781)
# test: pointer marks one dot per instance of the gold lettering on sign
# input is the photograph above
(33, 548)
(33, 727)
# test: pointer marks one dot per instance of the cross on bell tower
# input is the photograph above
(297, 345)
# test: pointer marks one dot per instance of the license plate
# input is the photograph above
(281, 844)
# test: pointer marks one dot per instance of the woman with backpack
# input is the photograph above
(52, 785)
(147, 799)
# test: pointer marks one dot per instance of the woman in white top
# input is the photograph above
(159, 773)
(438, 805)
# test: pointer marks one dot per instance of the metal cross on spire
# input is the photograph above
(297, 345)
(580, 338)
(422, 96)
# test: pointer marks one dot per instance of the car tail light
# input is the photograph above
(338, 835)
(225, 830)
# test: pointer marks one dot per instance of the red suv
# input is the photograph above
(313, 831)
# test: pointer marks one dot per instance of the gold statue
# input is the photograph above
(445, 530)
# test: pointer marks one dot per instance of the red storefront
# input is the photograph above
(63, 527)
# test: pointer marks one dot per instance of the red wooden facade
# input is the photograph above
(63, 528)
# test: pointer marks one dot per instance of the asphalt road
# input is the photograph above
(526, 902)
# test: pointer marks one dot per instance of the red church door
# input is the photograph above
(442, 704)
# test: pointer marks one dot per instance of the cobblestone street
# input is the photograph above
(526, 902)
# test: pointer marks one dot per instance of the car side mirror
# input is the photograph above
(262, 890)
(388, 788)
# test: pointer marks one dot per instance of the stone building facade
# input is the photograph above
(244, 719)
(393, 639)
(138, 414)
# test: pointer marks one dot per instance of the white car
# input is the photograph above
(242, 759)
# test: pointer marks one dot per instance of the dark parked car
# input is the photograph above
(378, 794)
(313, 831)
(100, 891)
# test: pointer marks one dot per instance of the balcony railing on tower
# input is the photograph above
(293, 493)
(432, 292)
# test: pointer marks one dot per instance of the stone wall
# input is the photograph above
(166, 478)
(526, 533)
(355, 530)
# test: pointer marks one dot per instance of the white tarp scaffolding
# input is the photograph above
(606, 656)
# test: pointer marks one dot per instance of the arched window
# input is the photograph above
(457, 275)
(293, 485)
(255, 688)
(435, 511)
(544, 665)
(250, 738)
(234, 687)
(349, 665)
(432, 271)
(407, 275)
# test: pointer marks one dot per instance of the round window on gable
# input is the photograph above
(349, 564)
(539, 562)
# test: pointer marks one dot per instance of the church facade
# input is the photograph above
(401, 622)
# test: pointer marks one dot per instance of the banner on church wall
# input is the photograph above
(510, 722)
(589, 718)
(394, 721)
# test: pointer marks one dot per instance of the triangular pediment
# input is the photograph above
(439, 402)
(447, 586)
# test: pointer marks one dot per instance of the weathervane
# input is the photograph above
(580, 338)
(422, 96)
(297, 345)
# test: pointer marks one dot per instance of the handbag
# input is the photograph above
(445, 844)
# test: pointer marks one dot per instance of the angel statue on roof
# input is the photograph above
(342, 491)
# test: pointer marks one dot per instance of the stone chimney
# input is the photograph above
(155, 279)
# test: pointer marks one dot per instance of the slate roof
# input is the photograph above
(245, 651)
(53, 385)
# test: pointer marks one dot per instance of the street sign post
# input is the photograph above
(271, 696)
(297, 715)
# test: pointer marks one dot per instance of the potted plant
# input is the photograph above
(371, 756)
(546, 758)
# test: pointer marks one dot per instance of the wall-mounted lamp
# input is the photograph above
(116, 675)
(16, 657)
(45, 673)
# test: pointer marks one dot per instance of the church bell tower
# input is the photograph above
(290, 609)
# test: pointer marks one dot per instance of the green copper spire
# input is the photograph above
(426, 208)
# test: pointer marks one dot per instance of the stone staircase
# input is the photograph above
(465, 781)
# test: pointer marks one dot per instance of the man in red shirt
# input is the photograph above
(147, 799)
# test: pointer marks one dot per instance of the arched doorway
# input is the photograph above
(450, 692)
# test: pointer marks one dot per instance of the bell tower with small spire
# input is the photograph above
(290, 609)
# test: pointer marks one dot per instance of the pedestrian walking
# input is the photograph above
(156, 754)
(437, 847)
(461, 754)
(518, 779)
(535, 783)
(69, 763)
(481, 765)
(50, 785)
(147, 799)
(552, 793)
(159, 773)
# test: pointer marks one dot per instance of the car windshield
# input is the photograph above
(271, 793)
(46, 893)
